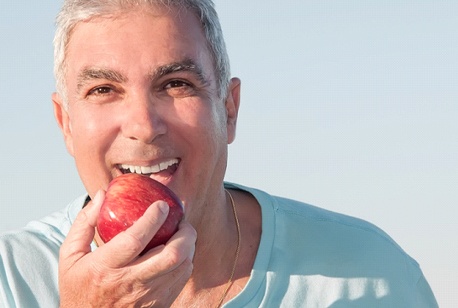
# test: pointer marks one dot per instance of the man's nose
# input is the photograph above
(142, 119)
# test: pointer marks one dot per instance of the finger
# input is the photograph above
(81, 234)
(180, 277)
(127, 245)
(189, 237)
(164, 259)
(165, 289)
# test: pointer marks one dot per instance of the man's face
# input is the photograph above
(143, 96)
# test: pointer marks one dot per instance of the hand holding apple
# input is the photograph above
(154, 277)
(127, 198)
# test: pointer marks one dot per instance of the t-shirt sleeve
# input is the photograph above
(28, 270)
(425, 296)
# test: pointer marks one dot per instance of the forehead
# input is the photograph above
(155, 36)
(175, 18)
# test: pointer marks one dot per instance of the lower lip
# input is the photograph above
(165, 176)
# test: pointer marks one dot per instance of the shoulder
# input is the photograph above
(313, 218)
(29, 258)
(334, 235)
(310, 235)
(302, 217)
(50, 229)
(326, 258)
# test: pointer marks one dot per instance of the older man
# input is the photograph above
(144, 86)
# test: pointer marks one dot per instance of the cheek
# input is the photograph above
(95, 119)
(203, 123)
(92, 139)
(219, 122)
(92, 135)
(88, 130)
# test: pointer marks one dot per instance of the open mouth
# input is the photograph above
(162, 169)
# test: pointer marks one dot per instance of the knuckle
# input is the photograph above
(108, 277)
(154, 220)
(133, 242)
(81, 217)
(173, 257)
(192, 232)
(189, 230)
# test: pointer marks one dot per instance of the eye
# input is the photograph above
(178, 88)
(102, 94)
(176, 84)
(98, 91)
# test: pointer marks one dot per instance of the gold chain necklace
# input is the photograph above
(237, 252)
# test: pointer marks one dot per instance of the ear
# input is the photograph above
(232, 108)
(63, 120)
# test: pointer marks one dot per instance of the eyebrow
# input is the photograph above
(93, 73)
(186, 65)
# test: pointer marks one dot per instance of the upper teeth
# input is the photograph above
(150, 169)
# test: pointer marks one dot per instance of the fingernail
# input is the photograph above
(163, 206)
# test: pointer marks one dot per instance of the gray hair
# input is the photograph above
(75, 11)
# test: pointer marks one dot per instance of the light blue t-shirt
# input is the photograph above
(308, 257)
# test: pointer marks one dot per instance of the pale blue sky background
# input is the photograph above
(348, 105)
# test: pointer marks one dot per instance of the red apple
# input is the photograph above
(127, 198)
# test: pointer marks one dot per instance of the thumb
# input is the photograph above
(79, 239)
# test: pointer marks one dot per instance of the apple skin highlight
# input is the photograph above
(127, 198)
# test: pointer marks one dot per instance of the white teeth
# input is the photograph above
(146, 170)
(163, 166)
(150, 169)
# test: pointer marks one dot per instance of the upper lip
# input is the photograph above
(149, 169)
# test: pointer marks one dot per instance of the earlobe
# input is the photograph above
(232, 108)
(63, 120)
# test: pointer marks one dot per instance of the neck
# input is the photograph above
(216, 257)
(216, 250)
(217, 233)
(216, 246)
